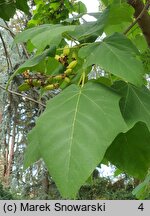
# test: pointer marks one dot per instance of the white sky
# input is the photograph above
(92, 5)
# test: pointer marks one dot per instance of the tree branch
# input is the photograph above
(142, 17)
(8, 60)
(23, 96)
(13, 36)
(8, 29)
(136, 20)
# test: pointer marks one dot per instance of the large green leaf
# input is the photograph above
(130, 151)
(135, 103)
(44, 35)
(117, 55)
(74, 132)
(33, 152)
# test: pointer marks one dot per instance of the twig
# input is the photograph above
(6, 52)
(23, 96)
(13, 35)
(139, 17)
(25, 51)
(8, 29)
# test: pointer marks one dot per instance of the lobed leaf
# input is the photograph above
(115, 54)
(76, 128)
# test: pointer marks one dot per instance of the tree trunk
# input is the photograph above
(144, 20)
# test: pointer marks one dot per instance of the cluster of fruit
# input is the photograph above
(49, 82)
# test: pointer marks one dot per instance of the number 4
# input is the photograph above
(141, 207)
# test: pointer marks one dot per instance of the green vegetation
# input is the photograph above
(81, 122)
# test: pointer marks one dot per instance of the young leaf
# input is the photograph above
(117, 55)
(80, 7)
(142, 190)
(74, 132)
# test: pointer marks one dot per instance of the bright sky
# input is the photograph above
(92, 5)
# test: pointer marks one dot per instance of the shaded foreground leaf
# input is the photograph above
(130, 151)
(7, 10)
(74, 132)
(142, 190)
(115, 54)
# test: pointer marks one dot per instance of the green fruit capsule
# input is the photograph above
(66, 50)
(57, 57)
(68, 71)
(58, 77)
(65, 83)
(36, 83)
(49, 87)
(74, 55)
(49, 80)
(72, 64)
(67, 80)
